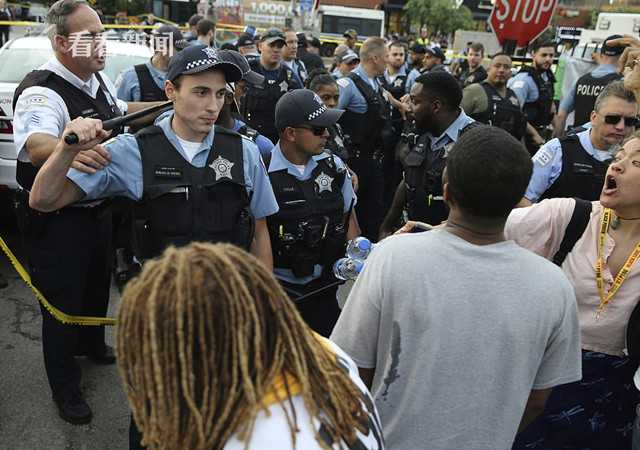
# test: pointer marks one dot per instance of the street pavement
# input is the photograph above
(28, 417)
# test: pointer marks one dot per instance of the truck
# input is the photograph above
(330, 22)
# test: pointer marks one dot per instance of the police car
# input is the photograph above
(22, 55)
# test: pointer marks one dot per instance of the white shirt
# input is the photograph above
(42, 110)
(190, 148)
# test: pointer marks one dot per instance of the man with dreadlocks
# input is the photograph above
(213, 355)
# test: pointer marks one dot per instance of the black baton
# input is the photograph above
(116, 122)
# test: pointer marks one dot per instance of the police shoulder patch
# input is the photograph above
(343, 82)
(543, 157)
(517, 84)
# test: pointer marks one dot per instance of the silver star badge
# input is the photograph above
(324, 182)
(222, 168)
(284, 86)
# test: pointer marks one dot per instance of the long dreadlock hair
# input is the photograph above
(203, 333)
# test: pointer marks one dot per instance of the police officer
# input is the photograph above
(145, 82)
(471, 70)
(229, 116)
(350, 38)
(259, 102)
(345, 62)
(439, 121)
(364, 121)
(534, 87)
(192, 181)
(247, 46)
(433, 62)
(582, 96)
(290, 57)
(575, 165)
(416, 56)
(316, 217)
(492, 102)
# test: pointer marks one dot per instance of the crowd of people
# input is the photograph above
(510, 323)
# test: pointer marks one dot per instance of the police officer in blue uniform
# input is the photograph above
(439, 121)
(364, 121)
(316, 199)
(145, 82)
(192, 181)
(259, 102)
(582, 95)
(575, 165)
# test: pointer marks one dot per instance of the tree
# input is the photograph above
(440, 16)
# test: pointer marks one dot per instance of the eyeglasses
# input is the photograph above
(614, 119)
(317, 131)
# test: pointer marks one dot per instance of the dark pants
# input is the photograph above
(4, 34)
(370, 207)
(69, 262)
(320, 311)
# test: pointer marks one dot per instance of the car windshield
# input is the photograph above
(18, 62)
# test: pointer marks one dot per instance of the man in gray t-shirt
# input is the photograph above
(459, 333)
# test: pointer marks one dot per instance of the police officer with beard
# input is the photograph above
(69, 250)
(316, 199)
(575, 165)
(534, 87)
(439, 120)
(492, 102)
(259, 102)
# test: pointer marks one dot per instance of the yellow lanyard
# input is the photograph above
(622, 275)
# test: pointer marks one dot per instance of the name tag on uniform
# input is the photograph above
(167, 172)
(582, 168)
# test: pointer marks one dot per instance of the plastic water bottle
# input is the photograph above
(359, 248)
(347, 268)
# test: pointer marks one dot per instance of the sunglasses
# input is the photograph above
(317, 131)
(614, 119)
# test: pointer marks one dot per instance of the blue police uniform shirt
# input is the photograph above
(524, 87)
(547, 164)
(296, 67)
(450, 135)
(279, 162)
(392, 78)
(411, 79)
(336, 74)
(128, 85)
(123, 175)
(350, 97)
(263, 143)
(568, 101)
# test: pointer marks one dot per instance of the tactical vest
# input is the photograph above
(248, 132)
(310, 226)
(423, 180)
(502, 112)
(149, 90)
(365, 129)
(258, 105)
(477, 76)
(539, 112)
(78, 104)
(398, 90)
(338, 143)
(582, 175)
(587, 89)
(182, 203)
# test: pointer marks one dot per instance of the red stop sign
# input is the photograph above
(520, 20)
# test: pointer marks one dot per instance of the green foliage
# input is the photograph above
(439, 15)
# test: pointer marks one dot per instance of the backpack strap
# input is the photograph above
(574, 231)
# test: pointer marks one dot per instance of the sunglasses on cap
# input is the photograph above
(614, 119)
(317, 131)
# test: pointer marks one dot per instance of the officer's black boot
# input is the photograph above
(72, 407)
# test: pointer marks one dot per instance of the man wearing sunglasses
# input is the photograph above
(575, 165)
(316, 200)
(259, 102)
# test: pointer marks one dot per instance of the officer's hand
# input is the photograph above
(413, 226)
(92, 160)
(626, 41)
(89, 132)
(354, 178)
(629, 67)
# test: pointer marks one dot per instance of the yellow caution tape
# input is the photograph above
(55, 312)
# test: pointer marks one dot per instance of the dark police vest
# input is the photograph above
(248, 132)
(587, 89)
(502, 112)
(78, 104)
(310, 226)
(582, 175)
(258, 106)
(398, 90)
(182, 203)
(539, 112)
(466, 78)
(423, 180)
(338, 142)
(365, 130)
(149, 90)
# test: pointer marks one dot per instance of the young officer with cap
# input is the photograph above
(345, 61)
(316, 200)
(145, 82)
(192, 181)
(259, 102)
(433, 62)
(575, 165)
(247, 46)
(582, 95)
